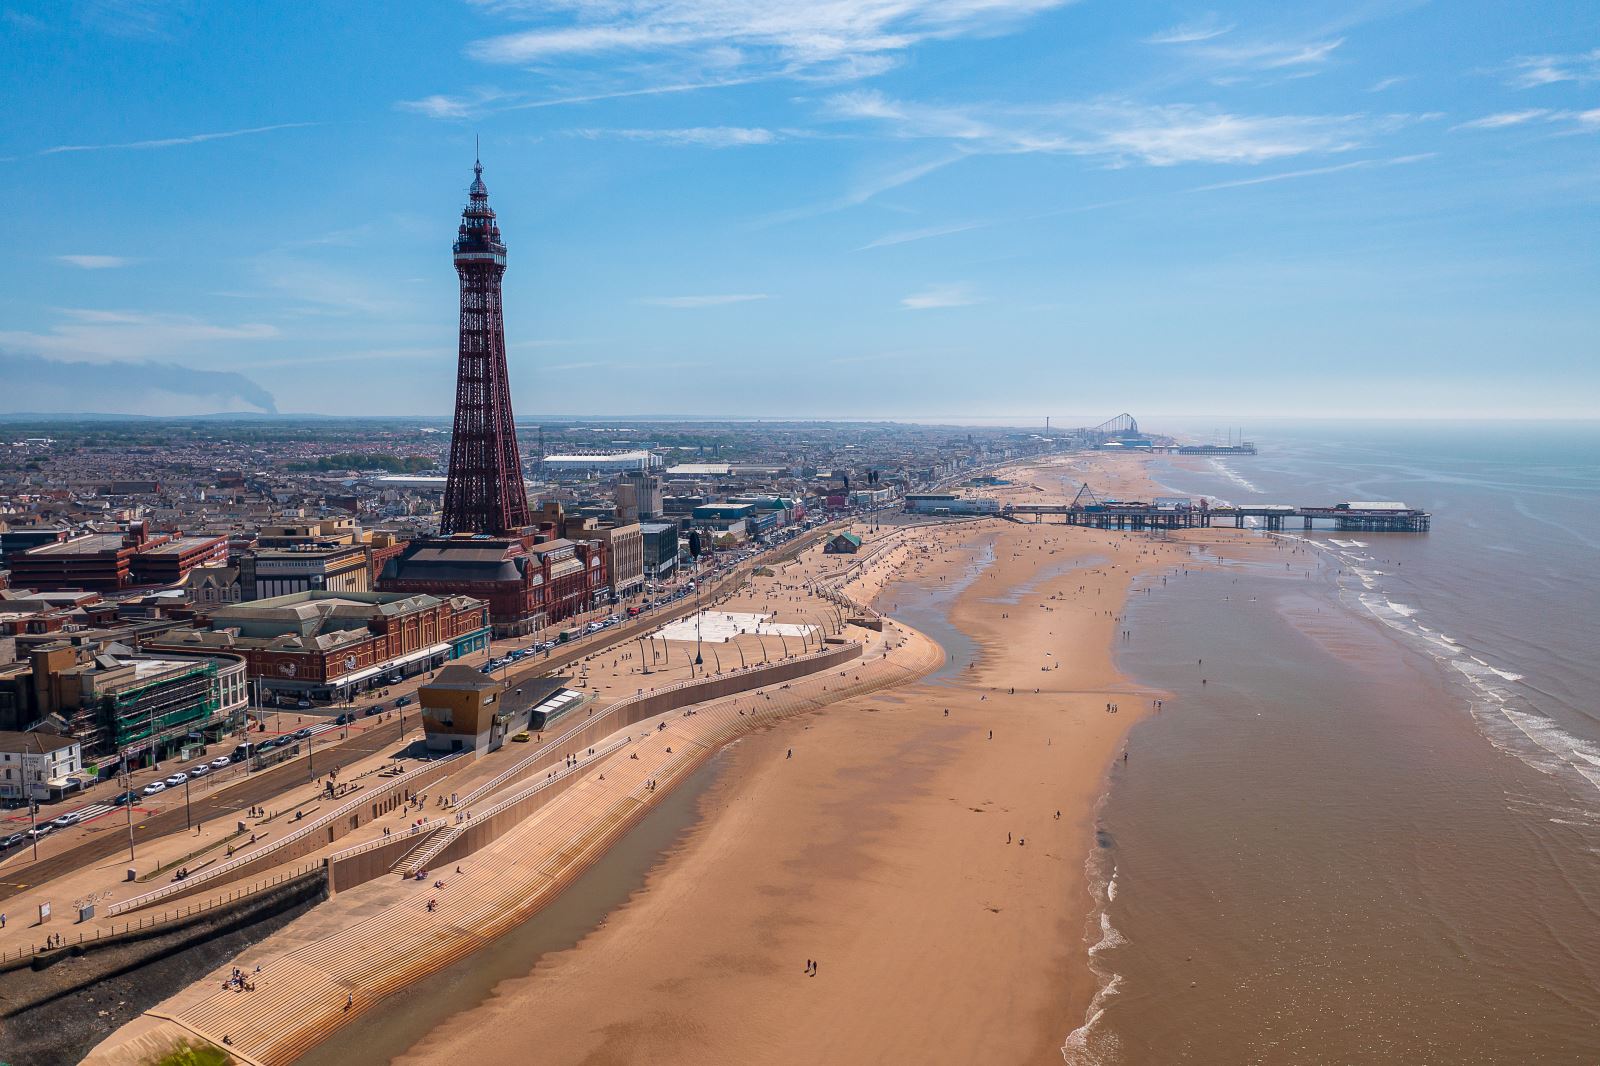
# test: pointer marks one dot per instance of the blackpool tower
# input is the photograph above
(484, 492)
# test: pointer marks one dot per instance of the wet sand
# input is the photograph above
(919, 861)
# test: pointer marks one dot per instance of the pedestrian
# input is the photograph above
(2, 920)
(349, 1001)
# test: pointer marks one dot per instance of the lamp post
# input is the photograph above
(188, 820)
(127, 788)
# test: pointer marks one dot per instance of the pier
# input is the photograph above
(1176, 512)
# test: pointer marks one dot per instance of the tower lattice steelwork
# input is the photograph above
(484, 492)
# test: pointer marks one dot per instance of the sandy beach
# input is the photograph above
(925, 846)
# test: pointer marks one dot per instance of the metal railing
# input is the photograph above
(299, 834)
(170, 917)
(380, 841)
(419, 859)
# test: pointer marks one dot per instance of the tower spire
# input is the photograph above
(484, 492)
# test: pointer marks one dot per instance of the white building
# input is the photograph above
(31, 762)
(599, 465)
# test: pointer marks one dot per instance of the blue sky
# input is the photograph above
(923, 209)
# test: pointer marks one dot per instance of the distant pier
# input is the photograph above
(1177, 512)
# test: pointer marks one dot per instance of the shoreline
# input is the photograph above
(651, 941)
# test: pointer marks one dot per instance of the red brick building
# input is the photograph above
(321, 645)
(527, 584)
(111, 562)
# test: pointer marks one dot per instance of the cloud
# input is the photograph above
(699, 136)
(482, 102)
(171, 142)
(836, 39)
(1269, 55)
(907, 236)
(37, 383)
(939, 296)
(451, 107)
(1118, 131)
(1582, 120)
(1312, 172)
(1190, 32)
(865, 189)
(96, 262)
(1385, 84)
(691, 302)
(1503, 119)
(122, 335)
(1530, 72)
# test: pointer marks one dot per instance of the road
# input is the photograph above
(261, 787)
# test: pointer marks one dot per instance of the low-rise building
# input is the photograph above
(32, 763)
(330, 645)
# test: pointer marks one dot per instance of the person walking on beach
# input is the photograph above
(349, 1001)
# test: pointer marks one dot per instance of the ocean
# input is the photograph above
(1365, 827)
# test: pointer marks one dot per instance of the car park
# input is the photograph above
(153, 787)
(174, 780)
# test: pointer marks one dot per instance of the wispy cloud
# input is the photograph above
(479, 102)
(1581, 121)
(839, 39)
(1313, 172)
(1119, 131)
(1502, 119)
(172, 142)
(91, 334)
(940, 296)
(907, 236)
(1269, 55)
(684, 303)
(95, 262)
(466, 105)
(698, 136)
(1385, 84)
(1529, 72)
(865, 189)
(1191, 32)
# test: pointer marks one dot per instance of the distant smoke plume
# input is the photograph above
(34, 383)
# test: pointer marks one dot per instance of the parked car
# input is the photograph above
(42, 829)
(122, 799)
(303, 704)
(221, 761)
(200, 770)
(174, 780)
(153, 787)
(402, 701)
(521, 738)
(13, 840)
(301, 733)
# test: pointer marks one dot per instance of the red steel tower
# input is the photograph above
(484, 492)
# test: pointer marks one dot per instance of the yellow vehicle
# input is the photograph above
(521, 738)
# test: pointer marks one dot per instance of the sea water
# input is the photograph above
(1365, 827)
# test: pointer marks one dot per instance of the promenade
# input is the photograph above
(359, 946)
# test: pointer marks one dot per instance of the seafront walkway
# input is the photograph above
(351, 951)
